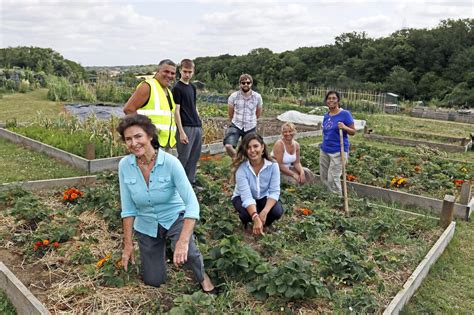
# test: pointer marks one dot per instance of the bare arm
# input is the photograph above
(230, 111)
(268, 206)
(127, 253)
(258, 111)
(297, 164)
(180, 255)
(138, 99)
(257, 220)
(349, 129)
(183, 138)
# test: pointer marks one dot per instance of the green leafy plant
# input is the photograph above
(292, 280)
(29, 209)
(197, 303)
(82, 256)
(344, 267)
(234, 259)
(6, 307)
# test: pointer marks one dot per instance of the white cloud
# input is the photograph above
(375, 23)
(113, 32)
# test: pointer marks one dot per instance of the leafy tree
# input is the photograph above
(401, 82)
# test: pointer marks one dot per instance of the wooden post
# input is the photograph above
(90, 151)
(447, 212)
(465, 195)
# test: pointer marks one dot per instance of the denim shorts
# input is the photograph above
(233, 134)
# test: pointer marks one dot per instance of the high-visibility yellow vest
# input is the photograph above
(158, 110)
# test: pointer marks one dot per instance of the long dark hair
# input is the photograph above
(141, 121)
(242, 151)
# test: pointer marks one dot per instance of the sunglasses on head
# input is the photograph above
(245, 82)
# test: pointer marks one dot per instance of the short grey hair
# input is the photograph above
(168, 62)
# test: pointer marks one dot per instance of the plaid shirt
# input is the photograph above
(245, 108)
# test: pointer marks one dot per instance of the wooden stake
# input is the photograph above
(343, 160)
(465, 195)
(90, 151)
(447, 212)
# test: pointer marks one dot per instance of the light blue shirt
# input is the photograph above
(251, 187)
(169, 192)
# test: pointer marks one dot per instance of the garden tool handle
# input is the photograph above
(344, 181)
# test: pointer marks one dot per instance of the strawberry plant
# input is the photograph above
(234, 259)
(29, 209)
(292, 280)
(196, 303)
(342, 266)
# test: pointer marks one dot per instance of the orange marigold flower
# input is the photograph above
(74, 196)
(306, 211)
(418, 169)
(351, 177)
(205, 158)
(101, 262)
(458, 182)
(56, 244)
(45, 242)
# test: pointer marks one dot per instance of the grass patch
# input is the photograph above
(20, 164)
(24, 106)
(6, 307)
(382, 124)
(449, 287)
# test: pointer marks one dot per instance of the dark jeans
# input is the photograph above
(153, 254)
(233, 134)
(275, 212)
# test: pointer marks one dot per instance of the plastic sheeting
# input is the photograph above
(297, 117)
(101, 111)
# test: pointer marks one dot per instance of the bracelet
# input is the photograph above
(255, 214)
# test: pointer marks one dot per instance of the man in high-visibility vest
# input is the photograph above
(154, 99)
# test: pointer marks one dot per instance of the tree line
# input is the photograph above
(418, 64)
(41, 60)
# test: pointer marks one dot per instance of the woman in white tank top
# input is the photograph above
(287, 153)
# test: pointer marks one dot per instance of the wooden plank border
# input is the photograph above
(406, 199)
(50, 183)
(22, 298)
(71, 159)
(421, 271)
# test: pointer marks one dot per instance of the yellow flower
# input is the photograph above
(101, 262)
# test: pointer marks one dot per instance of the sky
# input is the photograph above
(120, 32)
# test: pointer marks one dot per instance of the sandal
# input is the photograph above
(214, 291)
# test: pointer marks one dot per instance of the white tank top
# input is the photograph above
(288, 159)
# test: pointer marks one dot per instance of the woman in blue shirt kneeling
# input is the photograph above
(158, 203)
(257, 184)
(330, 162)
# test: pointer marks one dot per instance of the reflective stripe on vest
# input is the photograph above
(157, 109)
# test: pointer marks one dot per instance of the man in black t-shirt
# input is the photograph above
(189, 133)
